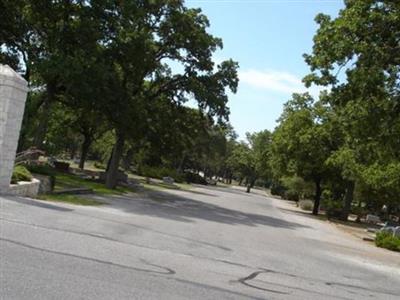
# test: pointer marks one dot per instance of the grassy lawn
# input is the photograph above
(70, 181)
(65, 181)
(157, 186)
(72, 199)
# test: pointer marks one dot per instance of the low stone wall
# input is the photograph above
(46, 183)
(25, 188)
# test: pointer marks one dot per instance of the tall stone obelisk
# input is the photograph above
(13, 90)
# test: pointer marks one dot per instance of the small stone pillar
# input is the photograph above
(13, 90)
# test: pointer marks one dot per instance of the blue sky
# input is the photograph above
(267, 38)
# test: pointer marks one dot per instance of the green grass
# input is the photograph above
(158, 186)
(68, 181)
(388, 241)
(65, 181)
(72, 199)
(223, 184)
(20, 173)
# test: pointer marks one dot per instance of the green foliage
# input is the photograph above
(292, 195)
(333, 208)
(195, 178)
(106, 66)
(295, 185)
(99, 165)
(20, 173)
(277, 189)
(102, 147)
(354, 54)
(71, 199)
(41, 169)
(250, 160)
(386, 240)
(306, 205)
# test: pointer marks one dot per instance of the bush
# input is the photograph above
(333, 208)
(298, 188)
(20, 173)
(292, 195)
(386, 240)
(277, 189)
(45, 169)
(195, 178)
(99, 165)
(306, 205)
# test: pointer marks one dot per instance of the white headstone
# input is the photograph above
(13, 90)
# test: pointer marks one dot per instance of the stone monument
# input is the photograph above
(13, 90)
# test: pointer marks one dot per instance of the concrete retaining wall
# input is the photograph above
(13, 90)
(24, 188)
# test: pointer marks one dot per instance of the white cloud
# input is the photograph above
(276, 81)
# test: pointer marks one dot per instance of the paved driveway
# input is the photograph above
(208, 243)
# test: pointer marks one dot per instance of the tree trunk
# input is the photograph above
(84, 151)
(248, 188)
(181, 163)
(112, 171)
(250, 185)
(127, 159)
(317, 198)
(348, 199)
(358, 220)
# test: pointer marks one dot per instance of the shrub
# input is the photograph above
(277, 189)
(62, 166)
(45, 169)
(333, 208)
(298, 187)
(292, 195)
(99, 165)
(387, 240)
(195, 178)
(306, 205)
(20, 173)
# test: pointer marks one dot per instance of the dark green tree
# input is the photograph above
(357, 55)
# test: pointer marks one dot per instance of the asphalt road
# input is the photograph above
(208, 243)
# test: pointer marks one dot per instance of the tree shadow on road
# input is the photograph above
(169, 206)
(36, 203)
(224, 189)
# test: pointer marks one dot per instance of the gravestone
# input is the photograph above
(372, 219)
(168, 180)
(397, 232)
(13, 90)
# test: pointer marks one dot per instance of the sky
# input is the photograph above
(268, 39)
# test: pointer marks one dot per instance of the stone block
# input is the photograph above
(168, 180)
(13, 90)
(372, 219)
